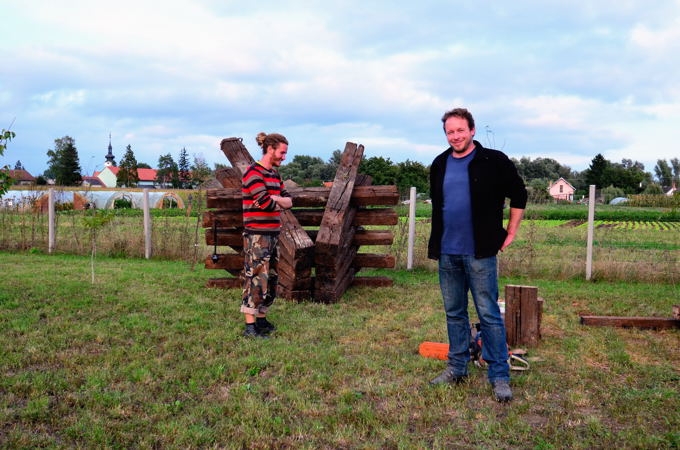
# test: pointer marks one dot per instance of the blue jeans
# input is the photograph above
(459, 274)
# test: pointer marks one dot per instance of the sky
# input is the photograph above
(544, 79)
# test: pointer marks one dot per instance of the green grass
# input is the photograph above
(147, 357)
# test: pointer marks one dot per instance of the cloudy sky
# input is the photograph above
(559, 79)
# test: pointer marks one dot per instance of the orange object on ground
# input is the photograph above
(436, 350)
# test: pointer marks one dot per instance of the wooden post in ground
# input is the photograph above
(523, 311)
(335, 252)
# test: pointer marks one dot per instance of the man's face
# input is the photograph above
(459, 135)
(279, 154)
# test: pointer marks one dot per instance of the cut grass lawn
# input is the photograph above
(148, 357)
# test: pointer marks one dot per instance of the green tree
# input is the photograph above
(537, 190)
(329, 170)
(412, 174)
(664, 174)
(627, 175)
(127, 170)
(200, 171)
(63, 162)
(143, 165)
(167, 174)
(595, 173)
(5, 179)
(304, 170)
(183, 170)
(380, 169)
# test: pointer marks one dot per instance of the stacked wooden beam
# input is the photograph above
(321, 235)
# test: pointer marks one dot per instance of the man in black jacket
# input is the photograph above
(468, 186)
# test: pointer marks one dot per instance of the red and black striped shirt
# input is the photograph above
(259, 210)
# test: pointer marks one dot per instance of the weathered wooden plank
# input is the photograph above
(376, 216)
(631, 322)
(373, 282)
(374, 260)
(373, 237)
(227, 199)
(226, 261)
(223, 219)
(231, 237)
(310, 197)
(237, 154)
(331, 292)
(229, 177)
(523, 313)
(529, 316)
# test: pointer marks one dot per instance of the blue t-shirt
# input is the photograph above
(458, 237)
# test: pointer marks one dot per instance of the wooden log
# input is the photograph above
(631, 322)
(229, 177)
(226, 199)
(522, 315)
(237, 154)
(334, 250)
(223, 219)
(228, 261)
(374, 260)
(310, 197)
(373, 237)
(232, 237)
(376, 216)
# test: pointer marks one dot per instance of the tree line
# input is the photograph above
(620, 179)
(63, 166)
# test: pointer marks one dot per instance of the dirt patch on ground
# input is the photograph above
(573, 223)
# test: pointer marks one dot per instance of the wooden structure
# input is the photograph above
(655, 323)
(523, 312)
(320, 237)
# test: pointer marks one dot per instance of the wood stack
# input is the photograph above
(320, 237)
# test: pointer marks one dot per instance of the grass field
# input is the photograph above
(147, 357)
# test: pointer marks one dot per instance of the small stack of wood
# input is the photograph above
(320, 237)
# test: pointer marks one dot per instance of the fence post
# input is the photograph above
(591, 225)
(411, 228)
(52, 222)
(147, 225)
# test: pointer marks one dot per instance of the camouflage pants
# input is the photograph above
(260, 275)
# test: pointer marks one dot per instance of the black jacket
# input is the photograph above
(493, 178)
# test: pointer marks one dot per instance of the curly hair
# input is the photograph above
(461, 113)
(265, 140)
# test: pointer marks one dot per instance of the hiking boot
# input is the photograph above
(501, 390)
(447, 376)
(251, 331)
(264, 326)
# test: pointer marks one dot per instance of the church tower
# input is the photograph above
(110, 159)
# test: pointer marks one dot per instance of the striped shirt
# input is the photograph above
(259, 210)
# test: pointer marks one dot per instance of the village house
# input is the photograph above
(108, 177)
(562, 190)
(21, 177)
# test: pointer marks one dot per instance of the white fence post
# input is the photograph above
(51, 216)
(411, 228)
(591, 226)
(147, 225)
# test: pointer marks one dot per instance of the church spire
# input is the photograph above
(110, 159)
